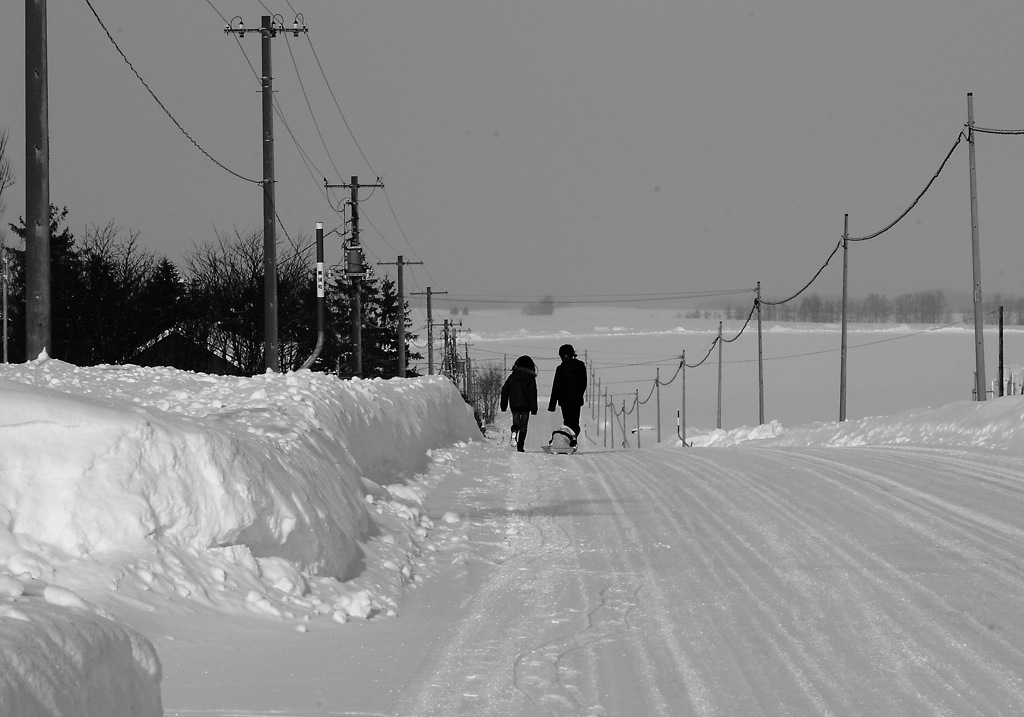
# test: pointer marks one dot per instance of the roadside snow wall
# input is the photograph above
(94, 459)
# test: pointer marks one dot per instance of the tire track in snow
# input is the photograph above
(724, 565)
(818, 596)
(920, 633)
(811, 573)
(826, 567)
(753, 581)
(624, 544)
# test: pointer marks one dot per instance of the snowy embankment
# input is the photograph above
(996, 424)
(161, 489)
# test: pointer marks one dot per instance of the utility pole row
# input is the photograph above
(429, 293)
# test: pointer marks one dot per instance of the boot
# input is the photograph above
(521, 441)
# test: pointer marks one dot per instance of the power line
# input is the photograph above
(161, 104)
(917, 199)
(839, 245)
(307, 161)
(599, 298)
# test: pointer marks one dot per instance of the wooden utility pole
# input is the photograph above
(401, 310)
(1002, 378)
(842, 341)
(625, 438)
(604, 416)
(760, 362)
(979, 320)
(681, 429)
(38, 336)
(719, 374)
(637, 399)
(657, 401)
(269, 28)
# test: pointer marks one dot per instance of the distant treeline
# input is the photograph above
(922, 307)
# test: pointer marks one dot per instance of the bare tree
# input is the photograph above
(6, 175)
(487, 381)
(225, 297)
(116, 273)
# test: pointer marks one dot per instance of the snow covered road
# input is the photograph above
(747, 581)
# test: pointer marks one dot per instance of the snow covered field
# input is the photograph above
(890, 367)
(295, 545)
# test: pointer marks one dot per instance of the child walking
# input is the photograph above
(569, 389)
(519, 393)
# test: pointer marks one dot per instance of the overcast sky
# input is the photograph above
(580, 149)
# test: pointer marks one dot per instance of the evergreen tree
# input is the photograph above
(381, 315)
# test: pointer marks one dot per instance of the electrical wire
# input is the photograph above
(917, 199)
(162, 105)
(986, 130)
(838, 246)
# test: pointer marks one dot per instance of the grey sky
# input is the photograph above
(570, 148)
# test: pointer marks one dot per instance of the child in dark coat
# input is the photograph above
(519, 393)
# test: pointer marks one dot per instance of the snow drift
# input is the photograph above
(149, 474)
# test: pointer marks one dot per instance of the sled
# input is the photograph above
(562, 441)
(568, 450)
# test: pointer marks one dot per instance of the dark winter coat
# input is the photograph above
(520, 390)
(569, 385)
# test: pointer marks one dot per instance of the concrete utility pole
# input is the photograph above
(979, 320)
(355, 270)
(429, 293)
(401, 309)
(4, 279)
(37, 183)
(269, 27)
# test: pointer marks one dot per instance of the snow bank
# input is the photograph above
(92, 460)
(237, 494)
(996, 423)
(60, 658)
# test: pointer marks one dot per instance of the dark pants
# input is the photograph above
(571, 418)
(520, 421)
